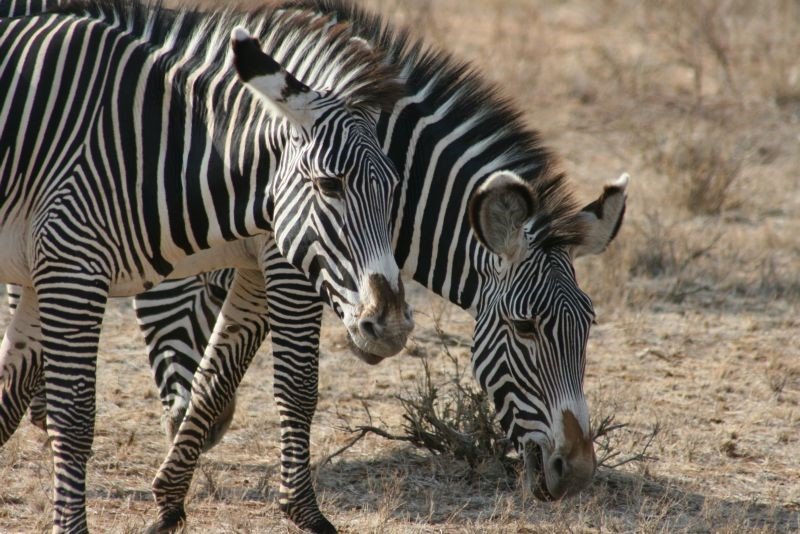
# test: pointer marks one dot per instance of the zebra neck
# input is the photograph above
(211, 149)
(432, 239)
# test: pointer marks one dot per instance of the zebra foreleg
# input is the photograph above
(21, 364)
(71, 306)
(240, 330)
(295, 315)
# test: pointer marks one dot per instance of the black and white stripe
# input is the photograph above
(130, 151)
(484, 219)
(500, 244)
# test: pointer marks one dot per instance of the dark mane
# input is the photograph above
(356, 73)
(517, 145)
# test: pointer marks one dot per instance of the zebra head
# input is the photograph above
(529, 348)
(331, 200)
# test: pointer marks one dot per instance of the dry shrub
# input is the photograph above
(448, 415)
(457, 419)
(655, 253)
(702, 166)
(739, 48)
(678, 258)
(454, 417)
(698, 36)
(657, 260)
(698, 83)
(607, 442)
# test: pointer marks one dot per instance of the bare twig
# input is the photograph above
(608, 451)
(362, 431)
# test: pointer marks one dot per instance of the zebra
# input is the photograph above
(484, 218)
(149, 158)
(24, 8)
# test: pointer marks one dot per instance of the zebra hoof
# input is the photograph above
(320, 526)
(171, 521)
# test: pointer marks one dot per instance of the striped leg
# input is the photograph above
(20, 361)
(239, 332)
(13, 294)
(295, 314)
(37, 411)
(71, 313)
(177, 318)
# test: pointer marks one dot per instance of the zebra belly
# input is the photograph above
(241, 254)
(128, 285)
(14, 266)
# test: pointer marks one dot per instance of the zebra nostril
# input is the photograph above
(558, 466)
(370, 328)
(408, 313)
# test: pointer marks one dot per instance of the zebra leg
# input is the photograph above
(20, 362)
(240, 330)
(70, 335)
(13, 293)
(31, 338)
(37, 411)
(295, 315)
(177, 318)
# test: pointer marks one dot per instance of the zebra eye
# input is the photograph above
(330, 186)
(526, 328)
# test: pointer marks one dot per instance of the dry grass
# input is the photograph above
(697, 301)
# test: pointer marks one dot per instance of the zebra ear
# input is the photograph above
(264, 76)
(498, 210)
(603, 218)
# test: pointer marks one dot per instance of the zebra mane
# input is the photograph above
(470, 96)
(356, 73)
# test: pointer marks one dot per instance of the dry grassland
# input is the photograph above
(697, 302)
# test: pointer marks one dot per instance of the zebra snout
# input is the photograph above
(567, 476)
(570, 468)
(385, 320)
(378, 323)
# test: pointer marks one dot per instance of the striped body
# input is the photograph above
(131, 151)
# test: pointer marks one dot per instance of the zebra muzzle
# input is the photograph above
(384, 323)
(564, 470)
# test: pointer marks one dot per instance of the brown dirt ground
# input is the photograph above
(698, 312)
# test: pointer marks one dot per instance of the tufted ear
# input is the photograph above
(498, 210)
(284, 93)
(603, 217)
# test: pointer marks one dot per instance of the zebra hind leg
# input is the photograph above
(177, 318)
(38, 408)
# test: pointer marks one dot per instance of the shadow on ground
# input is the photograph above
(410, 486)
